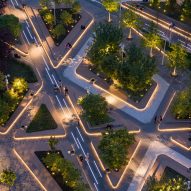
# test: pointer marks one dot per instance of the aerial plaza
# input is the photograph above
(95, 95)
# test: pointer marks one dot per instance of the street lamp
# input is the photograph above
(122, 46)
(164, 50)
(7, 81)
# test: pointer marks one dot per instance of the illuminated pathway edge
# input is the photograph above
(155, 149)
(147, 113)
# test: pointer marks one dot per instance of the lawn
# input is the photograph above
(43, 120)
(18, 69)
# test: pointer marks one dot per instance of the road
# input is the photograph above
(53, 78)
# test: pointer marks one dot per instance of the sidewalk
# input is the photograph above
(144, 115)
(154, 151)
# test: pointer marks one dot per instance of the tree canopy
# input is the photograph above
(172, 184)
(8, 177)
(103, 53)
(71, 175)
(136, 72)
(94, 115)
(177, 57)
(66, 18)
(11, 23)
(152, 39)
(114, 148)
(59, 30)
(182, 105)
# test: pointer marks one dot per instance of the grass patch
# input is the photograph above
(18, 69)
(43, 120)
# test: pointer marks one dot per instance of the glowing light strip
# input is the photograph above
(175, 129)
(154, 20)
(127, 103)
(31, 172)
(18, 50)
(180, 144)
(38, 137)
(125, 170)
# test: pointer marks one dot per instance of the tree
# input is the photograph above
(181, 108)
(111, 6)
(76, 7)
(130, 19)
(177, 57)
(20, 85)
(2, 81)
(11, 23)
(175, 184)
(136, 72)
(52, 142)
(8, 177)
(66, 18)
(59, 31)
(106, 43)
(152, 39)
(48, 18)
(186, 8)
(114, 148)
(155, 3)
(95, 115)
(59, 165)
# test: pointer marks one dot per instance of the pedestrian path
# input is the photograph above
(144, 115)
(155, 149)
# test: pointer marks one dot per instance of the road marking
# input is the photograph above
(87, 161)
(67, 107)
(60, 104)
(45, 62)
(27, 23)
(12, 3)
(35, 41)
(75, 140)
(98, 169)
(49, 75)
(26, 37)
(16, 2)
(80, 134)
(81, 147)
(55, 80)
(29, 33)
(181, 41)
(96, 187)
(92, 172)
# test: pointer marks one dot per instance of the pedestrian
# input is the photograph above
(65, 91)
(155, 119)
(83, 27)
(160, 118)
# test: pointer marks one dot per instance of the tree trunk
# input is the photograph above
(151, 52)
(109, 19)
(130, 34)
(174, 73)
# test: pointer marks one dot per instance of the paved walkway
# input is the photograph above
(155, 149)
(144, 115)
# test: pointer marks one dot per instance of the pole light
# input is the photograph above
(7, 81)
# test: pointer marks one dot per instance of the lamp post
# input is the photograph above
(164, 50)
(122, 46)
(7, 81)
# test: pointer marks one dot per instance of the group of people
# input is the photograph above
(158, 119)
(59, 88)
